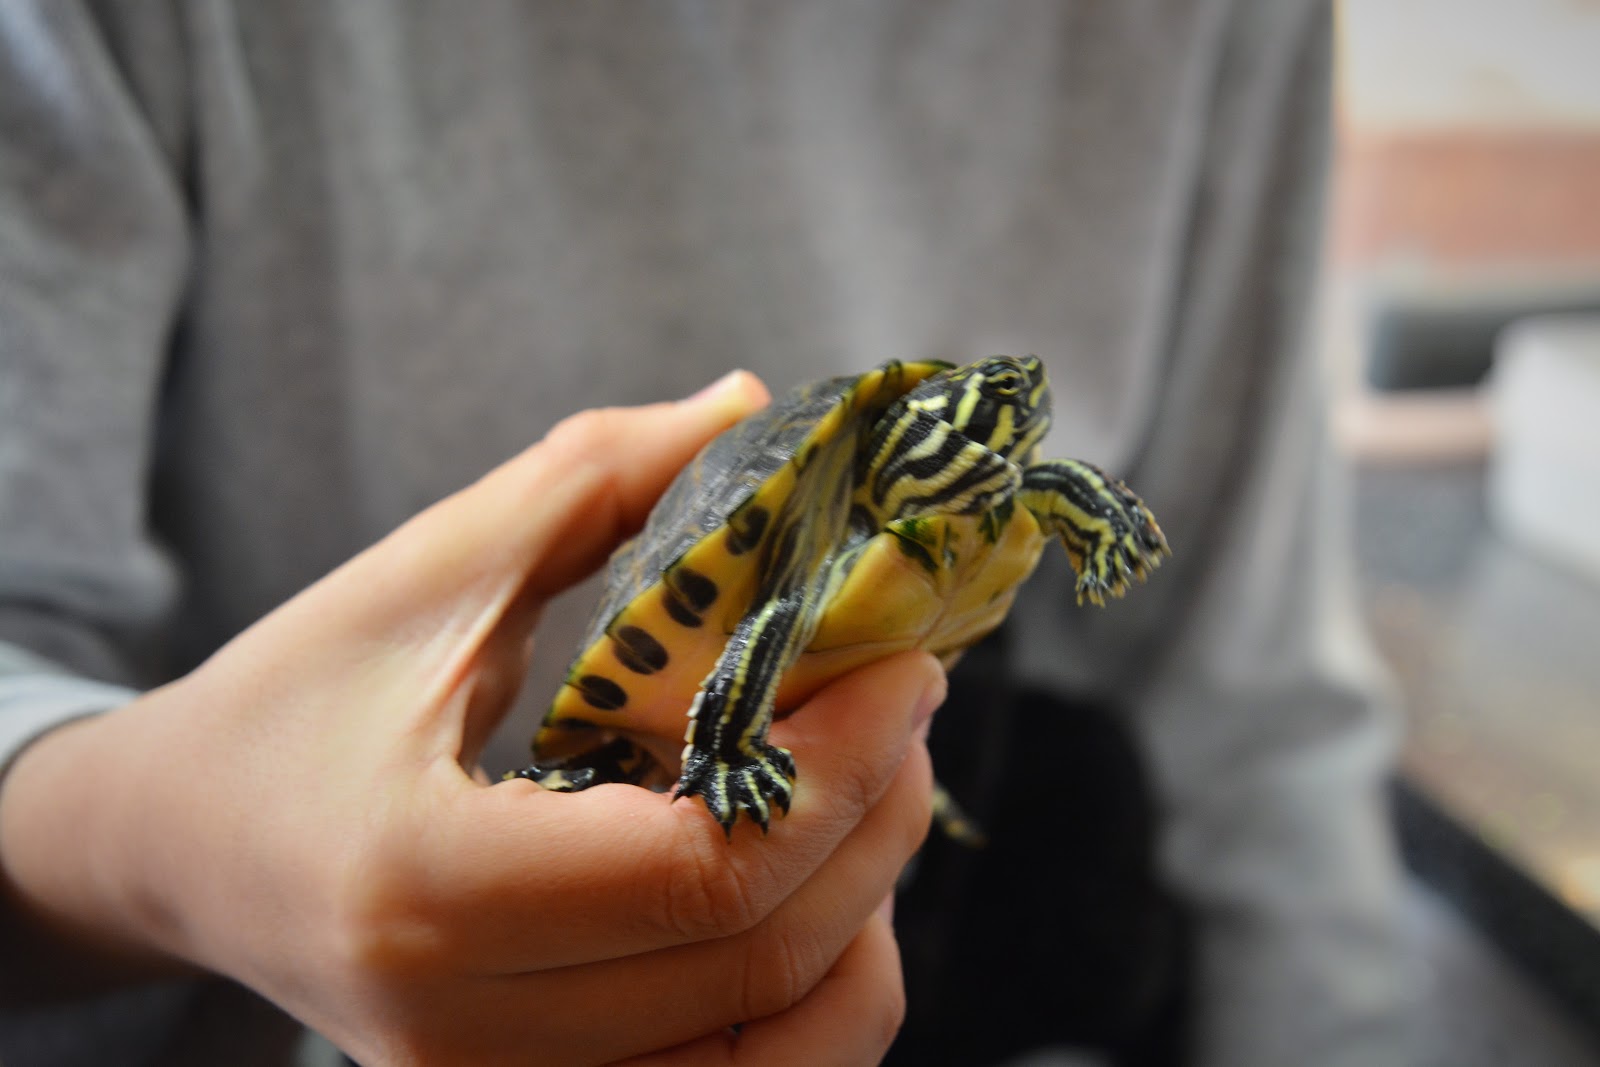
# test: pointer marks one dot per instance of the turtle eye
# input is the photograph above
(1006, 383)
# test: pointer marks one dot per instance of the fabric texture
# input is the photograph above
(275, 276)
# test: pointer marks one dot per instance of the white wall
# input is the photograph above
(1444, 64)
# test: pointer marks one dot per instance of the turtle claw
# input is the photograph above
(1139, 549)
(753, 783)
(1130, 560)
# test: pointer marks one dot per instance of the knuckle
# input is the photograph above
(860, 781)
(585, 432)
(890, 1013)
(381, 929)
(783, 962)
(894, 796)
(861, 775)
(915, 786)
(709, 895)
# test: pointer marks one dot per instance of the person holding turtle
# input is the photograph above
(278, 281)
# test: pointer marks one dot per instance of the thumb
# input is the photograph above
(547, 517)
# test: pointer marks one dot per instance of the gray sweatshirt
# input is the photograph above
(273, 276)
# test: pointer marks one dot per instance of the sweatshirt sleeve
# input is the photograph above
(1262, 710)
(93, 257)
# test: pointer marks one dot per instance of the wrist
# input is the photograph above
(77, 900)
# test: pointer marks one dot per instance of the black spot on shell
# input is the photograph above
(638, 650)
(681, 613)
(573, 726)
(746, 528)
(602, 693)
(696, 589)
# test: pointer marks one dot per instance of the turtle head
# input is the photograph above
(1001, 403)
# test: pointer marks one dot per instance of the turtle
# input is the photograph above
(854, 517)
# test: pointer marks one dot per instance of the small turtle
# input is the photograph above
(853, 518)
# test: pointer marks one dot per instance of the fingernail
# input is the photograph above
(726, 384)
(886, 909)
(927, 704)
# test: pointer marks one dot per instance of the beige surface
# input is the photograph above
(1495, 653)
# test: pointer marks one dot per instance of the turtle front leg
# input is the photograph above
(1110, 536)
(728, 761)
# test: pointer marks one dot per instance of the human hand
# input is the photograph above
(304, 813)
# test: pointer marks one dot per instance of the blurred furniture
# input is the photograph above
(1544, 471)
(1446, 336)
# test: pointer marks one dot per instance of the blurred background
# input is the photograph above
(1461, 329)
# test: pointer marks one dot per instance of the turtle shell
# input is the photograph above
(675, 592)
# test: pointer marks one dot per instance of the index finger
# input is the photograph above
(550, 879)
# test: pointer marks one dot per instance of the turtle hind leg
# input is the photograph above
(616, 761)
(728, 761)
(1110, 536)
